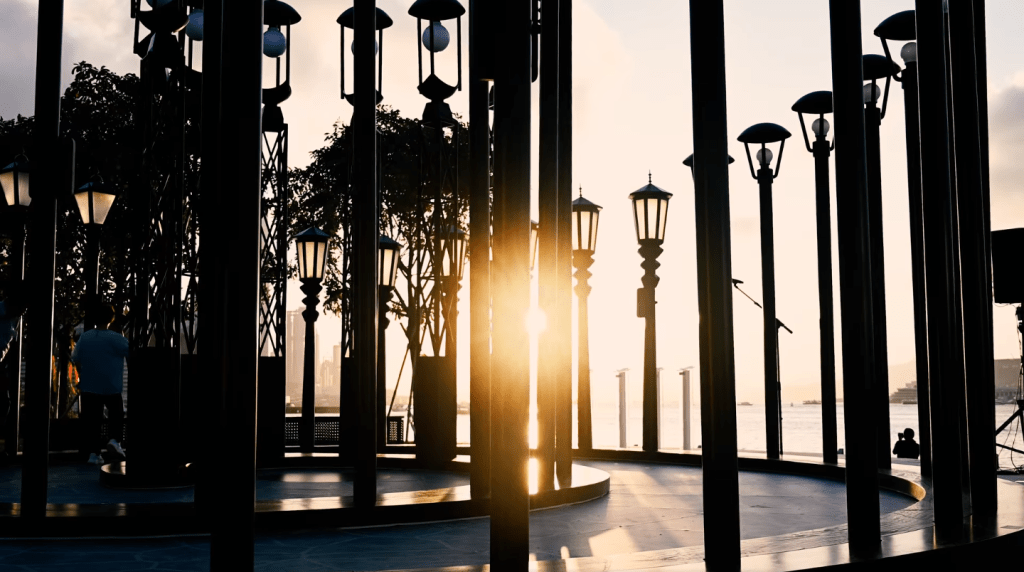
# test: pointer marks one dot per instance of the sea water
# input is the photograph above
(801, 428)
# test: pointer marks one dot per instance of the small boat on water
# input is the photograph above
(811, 402)
(744, 403)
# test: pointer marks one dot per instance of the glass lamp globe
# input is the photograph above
(909, 52)
(273, 42)
(820, 127)
(158, 3)
(435, 37)
(764, 156)
(376, 47)
(871, 93)
(194, 29)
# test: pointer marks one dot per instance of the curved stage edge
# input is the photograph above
(153, 519)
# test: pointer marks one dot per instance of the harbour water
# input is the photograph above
(801, 428)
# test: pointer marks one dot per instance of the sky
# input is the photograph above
(632, 114)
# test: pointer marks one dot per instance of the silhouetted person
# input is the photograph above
(11, 310)
(99, 356)
(906, 447)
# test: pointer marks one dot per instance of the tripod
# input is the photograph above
(778, 364)
(1020, 394)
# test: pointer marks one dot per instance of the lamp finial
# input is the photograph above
(648, 176)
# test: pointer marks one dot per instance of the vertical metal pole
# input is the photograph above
(829, 434)
(938, 208)
(510, 500)
(582, 260)
(383, 297)
(771, 330)
(977, 289)
(659, 402)
(855, 279)
(623, 409)
(479, 256)
(917, 264)
(366, 238)
(686, 409)
(13, 363)
(714, 286)
(42, 227)
(549, 263)
(232, 290)
(562, 318)
(307, 424)
(872, 125)
(92, 267)
(650, 251)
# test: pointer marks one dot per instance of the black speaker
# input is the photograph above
(1008, 266)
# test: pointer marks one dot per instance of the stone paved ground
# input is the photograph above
(650, 507)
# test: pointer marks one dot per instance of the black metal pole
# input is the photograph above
(366, 237)
(42, 227)
(549, 200)
(773, 434)
(582, 260)
(944, 385)
(829, 432)
(917, 263)
(479, 253)
(872, 126)
(231, 279)
(562, 319)
(510, 502)
(855, 279)
(92, 267)
(13, 363)
(650, 250)
(714, 286)
(307, 426)
(975, 284)
(383, 297)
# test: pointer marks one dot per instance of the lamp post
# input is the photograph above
(453, 262)
(875, 68)
(312, 245)
(820, 103)
(387, 268)
(902, 27)
(764, 134)
(94, 200)
(14, 180)
(585, 215)
(347, 20)
(650, 212)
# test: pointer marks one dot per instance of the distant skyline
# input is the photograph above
(632, 114)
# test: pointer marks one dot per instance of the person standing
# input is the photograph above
(99, 356)
(11, 310)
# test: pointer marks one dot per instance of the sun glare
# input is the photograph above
(536, 321)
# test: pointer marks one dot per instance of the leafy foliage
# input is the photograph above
(321, 193)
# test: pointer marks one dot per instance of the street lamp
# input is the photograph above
(14, 179)
(454, 245)
(387, 269)
(688, 161)
(650, 212)
(764, 134)
(312, 245)
(277, 15)
(585, 215)
(347, 20)
(875, 68)
(94, 200)
(902, 27)
(819, 103)
(436, 39)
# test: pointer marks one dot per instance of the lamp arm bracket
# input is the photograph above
(778, 162)
(803, 129)
(750, 161)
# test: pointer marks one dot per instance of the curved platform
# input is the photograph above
(396, 507)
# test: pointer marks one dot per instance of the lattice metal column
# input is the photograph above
(274, 242)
